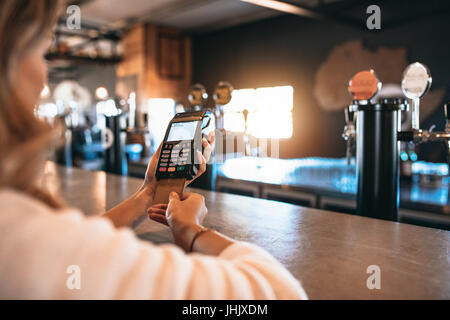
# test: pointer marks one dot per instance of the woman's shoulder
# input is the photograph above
(17, 202)
(17, 207)
(20, 211)
(38, 243)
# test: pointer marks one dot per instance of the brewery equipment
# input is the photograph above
(378, 136)
(197, 97)
(376, 147)
(222, 96)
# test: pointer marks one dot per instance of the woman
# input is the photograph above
(41, 239)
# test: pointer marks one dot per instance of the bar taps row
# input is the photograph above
(416, 81)
(222, 96)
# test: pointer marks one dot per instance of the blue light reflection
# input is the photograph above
(331, 175)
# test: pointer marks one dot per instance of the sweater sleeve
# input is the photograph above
(47, 253)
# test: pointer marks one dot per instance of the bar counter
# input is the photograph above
(325, 183)
(328, 252)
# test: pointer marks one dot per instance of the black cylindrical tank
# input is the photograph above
(377, 159)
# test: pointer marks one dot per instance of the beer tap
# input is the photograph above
(349, 133)
(376, 147)
(362, 87)
(197, 97)
(222, 96)
(447, 116)
(415, 84)
(248, 151)
(447, 128)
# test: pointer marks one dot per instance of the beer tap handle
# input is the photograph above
(222, 96)
(447, 130)
(246, 138)
(415, 124)
(348, 153)
(349, 132)
(348, 116)
(447, 114)
(416, 81)
(363, 86)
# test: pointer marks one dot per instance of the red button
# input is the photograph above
(162, 169)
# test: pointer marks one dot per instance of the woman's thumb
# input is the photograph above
(174, 196)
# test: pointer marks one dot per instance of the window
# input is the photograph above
(160, 111)
(269, 112)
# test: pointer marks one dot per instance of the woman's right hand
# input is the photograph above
(183, 215)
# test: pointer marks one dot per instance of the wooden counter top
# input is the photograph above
(328, 252)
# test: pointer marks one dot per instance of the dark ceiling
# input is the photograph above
(201, 16)
(393, 12)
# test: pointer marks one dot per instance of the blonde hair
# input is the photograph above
(24, 139)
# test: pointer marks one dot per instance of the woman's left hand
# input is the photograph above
(150, 178)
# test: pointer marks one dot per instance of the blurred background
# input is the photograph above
(118, 79)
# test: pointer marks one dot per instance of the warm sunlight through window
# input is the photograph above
(160, 112)
(269, 112)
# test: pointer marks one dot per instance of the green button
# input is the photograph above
(180, 168)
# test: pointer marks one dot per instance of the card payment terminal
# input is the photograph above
(178, 160)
